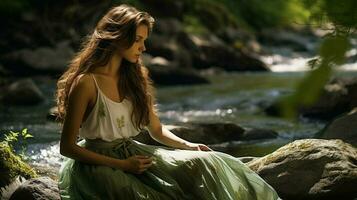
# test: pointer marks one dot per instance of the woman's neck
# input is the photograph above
(111, 69)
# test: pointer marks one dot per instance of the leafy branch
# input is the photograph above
(331, 54)
(12, 138)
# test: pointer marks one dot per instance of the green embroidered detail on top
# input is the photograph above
(101, 111)
(120, 122)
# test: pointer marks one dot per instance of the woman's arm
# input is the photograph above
(79, 99)
(166, 137)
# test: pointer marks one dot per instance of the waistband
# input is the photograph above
(100, 144)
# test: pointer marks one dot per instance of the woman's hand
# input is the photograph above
(197, 147)
(137, 164)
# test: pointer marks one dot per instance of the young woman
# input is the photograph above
(106, 97)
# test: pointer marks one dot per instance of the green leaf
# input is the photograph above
(12, 138)
(15, 134)
(7, 138)
(334, 48)
(24, 132)
(28, 136)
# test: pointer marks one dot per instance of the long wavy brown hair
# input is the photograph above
(115, 31)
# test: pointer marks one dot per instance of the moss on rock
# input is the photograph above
(12, 166)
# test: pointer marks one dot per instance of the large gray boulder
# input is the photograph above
(311, 169)
(41, 188)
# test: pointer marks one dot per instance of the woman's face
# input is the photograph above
(134, 52)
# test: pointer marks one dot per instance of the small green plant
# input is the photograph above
(15, 137)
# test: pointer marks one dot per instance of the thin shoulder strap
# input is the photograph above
(95, 81)
(96, 84)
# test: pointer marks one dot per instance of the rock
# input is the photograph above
(350, 84)
(338, 96)
(333, 101)
(208, 51)
(51, 171)
(7, 191)
(352, 58)
(208, 133)
(157, 47)
(253, 46)
(249, 61)
(211, 133)
(239, 38)
(52, 114)
(40, 188)
(289, 38)
(163, 73)
(247, 159)
(168, 26)
(343, 127)
(311, 169)
(200, 52)
(171, 50)
(22, 92)
(160, 62)
(11, 166)
(230, 35)
(257, 134)
(43, 59)
(187, 42)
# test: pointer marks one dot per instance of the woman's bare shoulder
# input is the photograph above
(84, 84)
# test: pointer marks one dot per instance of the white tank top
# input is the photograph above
(108, 120)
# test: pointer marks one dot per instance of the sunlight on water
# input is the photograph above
(278, 64)
(195, 115)
(349, 67)
(293, 62)
(45, 154)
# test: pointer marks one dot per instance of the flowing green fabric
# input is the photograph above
(175, 174)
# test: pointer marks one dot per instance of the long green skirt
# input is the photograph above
(175, 174)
